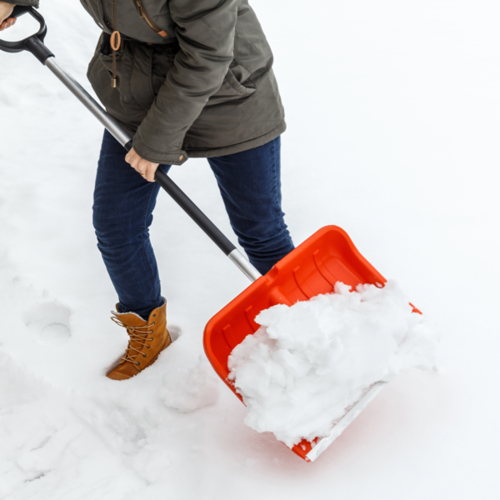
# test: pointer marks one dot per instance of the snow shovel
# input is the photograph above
(311, 269)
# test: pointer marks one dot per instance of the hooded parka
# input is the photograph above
(194, 77)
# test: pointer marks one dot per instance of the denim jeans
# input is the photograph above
(250, 186)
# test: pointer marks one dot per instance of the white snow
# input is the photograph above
(188, 388)
(309, 362)
(392, 111)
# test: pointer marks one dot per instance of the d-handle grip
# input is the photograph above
(33, 43)
(19, 10)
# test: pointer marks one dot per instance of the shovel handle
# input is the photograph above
(19, 10)
(33, 43)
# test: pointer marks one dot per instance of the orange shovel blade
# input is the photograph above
(311, 269)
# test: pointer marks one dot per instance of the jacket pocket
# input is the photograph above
(140, 85)
(132, 97)
(163, 62)
(100, 70)
(232, 87)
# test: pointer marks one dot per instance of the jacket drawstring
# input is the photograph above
(115, 43)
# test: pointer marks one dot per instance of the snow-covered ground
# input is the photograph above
(393, 115)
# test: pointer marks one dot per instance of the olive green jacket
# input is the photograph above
(203, 87)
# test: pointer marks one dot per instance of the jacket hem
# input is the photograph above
(237, 148)
(174, 157)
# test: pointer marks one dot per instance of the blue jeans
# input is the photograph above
(250, 186)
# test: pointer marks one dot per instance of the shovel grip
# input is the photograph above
(19, 10)
(34, 43)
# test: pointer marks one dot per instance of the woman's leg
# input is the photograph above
(123, 206)
(251, 189)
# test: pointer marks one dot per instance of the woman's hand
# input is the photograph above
(144, 167)
(5, 11)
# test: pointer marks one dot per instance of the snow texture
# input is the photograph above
(392, 110)
(189, 388)
(309, 362)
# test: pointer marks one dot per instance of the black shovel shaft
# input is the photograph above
(210, 229)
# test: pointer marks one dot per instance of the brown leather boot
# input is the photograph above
(147, 340)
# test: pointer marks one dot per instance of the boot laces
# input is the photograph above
(137, 334)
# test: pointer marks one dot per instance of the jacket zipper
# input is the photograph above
(144, 15)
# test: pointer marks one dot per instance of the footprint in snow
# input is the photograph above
(49, 322)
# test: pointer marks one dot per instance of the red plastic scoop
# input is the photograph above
(311, 269)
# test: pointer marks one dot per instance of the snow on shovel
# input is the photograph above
(311, 269)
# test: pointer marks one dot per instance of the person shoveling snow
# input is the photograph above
(310, 362)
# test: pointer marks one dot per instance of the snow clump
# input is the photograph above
(309, 362)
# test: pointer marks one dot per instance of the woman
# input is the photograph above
(187, 78)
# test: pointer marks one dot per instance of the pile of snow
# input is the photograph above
(309, 362)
